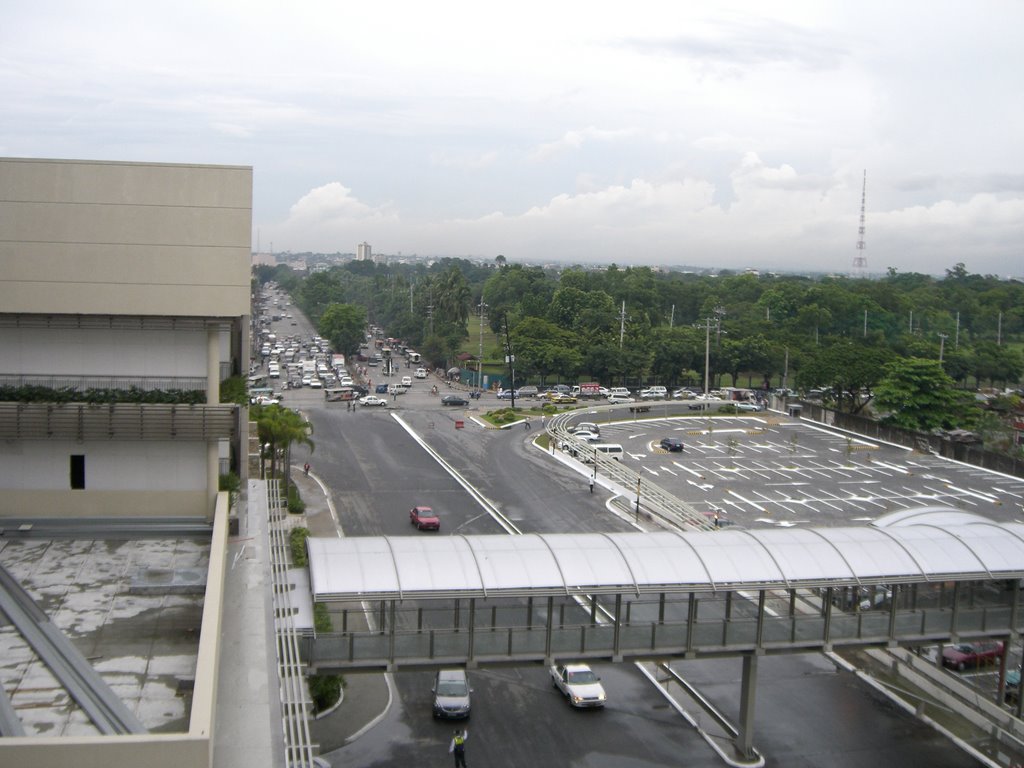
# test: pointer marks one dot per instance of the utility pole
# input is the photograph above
(480, 357)
(672, 318)
(622, 323)
(510, 358)
(942, 345)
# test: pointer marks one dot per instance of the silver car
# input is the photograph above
(451, 694)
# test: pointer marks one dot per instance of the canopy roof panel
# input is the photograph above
(938, 545)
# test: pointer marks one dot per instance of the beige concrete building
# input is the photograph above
(126, 277)
(129, 282)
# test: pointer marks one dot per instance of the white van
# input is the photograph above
(613, 450)
(620, 391)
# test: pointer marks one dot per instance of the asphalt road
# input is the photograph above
(807, 713)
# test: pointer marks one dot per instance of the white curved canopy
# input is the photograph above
(920, 546)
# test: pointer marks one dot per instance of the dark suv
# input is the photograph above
(671, 444)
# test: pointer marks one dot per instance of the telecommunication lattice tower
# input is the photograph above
(860, 261)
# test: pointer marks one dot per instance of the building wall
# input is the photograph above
(89, 237)
(105, 352)
(142, 478)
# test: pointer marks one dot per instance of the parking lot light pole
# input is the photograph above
(707, 355)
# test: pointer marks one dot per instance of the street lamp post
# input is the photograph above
(707, 354)
(942, 345)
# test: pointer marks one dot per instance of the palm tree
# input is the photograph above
(278, 428)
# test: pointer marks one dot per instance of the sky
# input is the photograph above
(731, 135)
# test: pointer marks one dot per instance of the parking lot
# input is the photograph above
(769, 469)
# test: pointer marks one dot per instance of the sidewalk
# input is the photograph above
(366, 694)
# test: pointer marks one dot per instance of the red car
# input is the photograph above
(424, 519)
(974, 654)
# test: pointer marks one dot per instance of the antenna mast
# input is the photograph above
(860, 261)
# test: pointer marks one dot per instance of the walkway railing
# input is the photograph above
(729, 624)
(295, 702)
(651, 497)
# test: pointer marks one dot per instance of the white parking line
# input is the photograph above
(976, 494)
(752, 503)
(687, 469)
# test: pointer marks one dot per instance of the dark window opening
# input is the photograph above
(77, 472)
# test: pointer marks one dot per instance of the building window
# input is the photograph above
(78, 472)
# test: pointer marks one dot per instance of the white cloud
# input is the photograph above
(734, 133)
(574, 140)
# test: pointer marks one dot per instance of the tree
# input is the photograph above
(344, 325)
(918, 395)
(278, 428)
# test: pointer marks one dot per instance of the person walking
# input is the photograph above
(305, 468)
(591, 483)
(458, 747)
(526, 423)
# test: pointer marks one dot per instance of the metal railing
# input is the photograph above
(116, 421)
(295, 702)
(496, 634)
(651, 497)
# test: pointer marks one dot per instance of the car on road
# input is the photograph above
(671, 444)
(1012, 686)
(561, 399)
(504, 394)
(316, 384)
(653, 393)
(424, 519)
(407, 381)
(973, 654)
(381, 389)
(421, 373)
(745, 406)
(451, 694)
(620, 399)
(683, 394)
(527, 391)
(372, 400)
(586, 426)
(453, 400)
(578, 683)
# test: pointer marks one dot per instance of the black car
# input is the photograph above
(671, 443)
(453, 400)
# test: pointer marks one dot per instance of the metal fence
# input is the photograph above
(969, 453)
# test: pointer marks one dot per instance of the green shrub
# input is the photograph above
(321, 618)
(296, 505)
(233, 390)
(229, 482)
(297, 542)
(325, 690)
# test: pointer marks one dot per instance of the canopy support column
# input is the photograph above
(745, 736)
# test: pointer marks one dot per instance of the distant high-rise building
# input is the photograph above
(364, 252)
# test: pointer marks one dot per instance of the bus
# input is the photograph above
(337, 394)
(414, 357)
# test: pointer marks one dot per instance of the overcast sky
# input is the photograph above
(724, 134)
